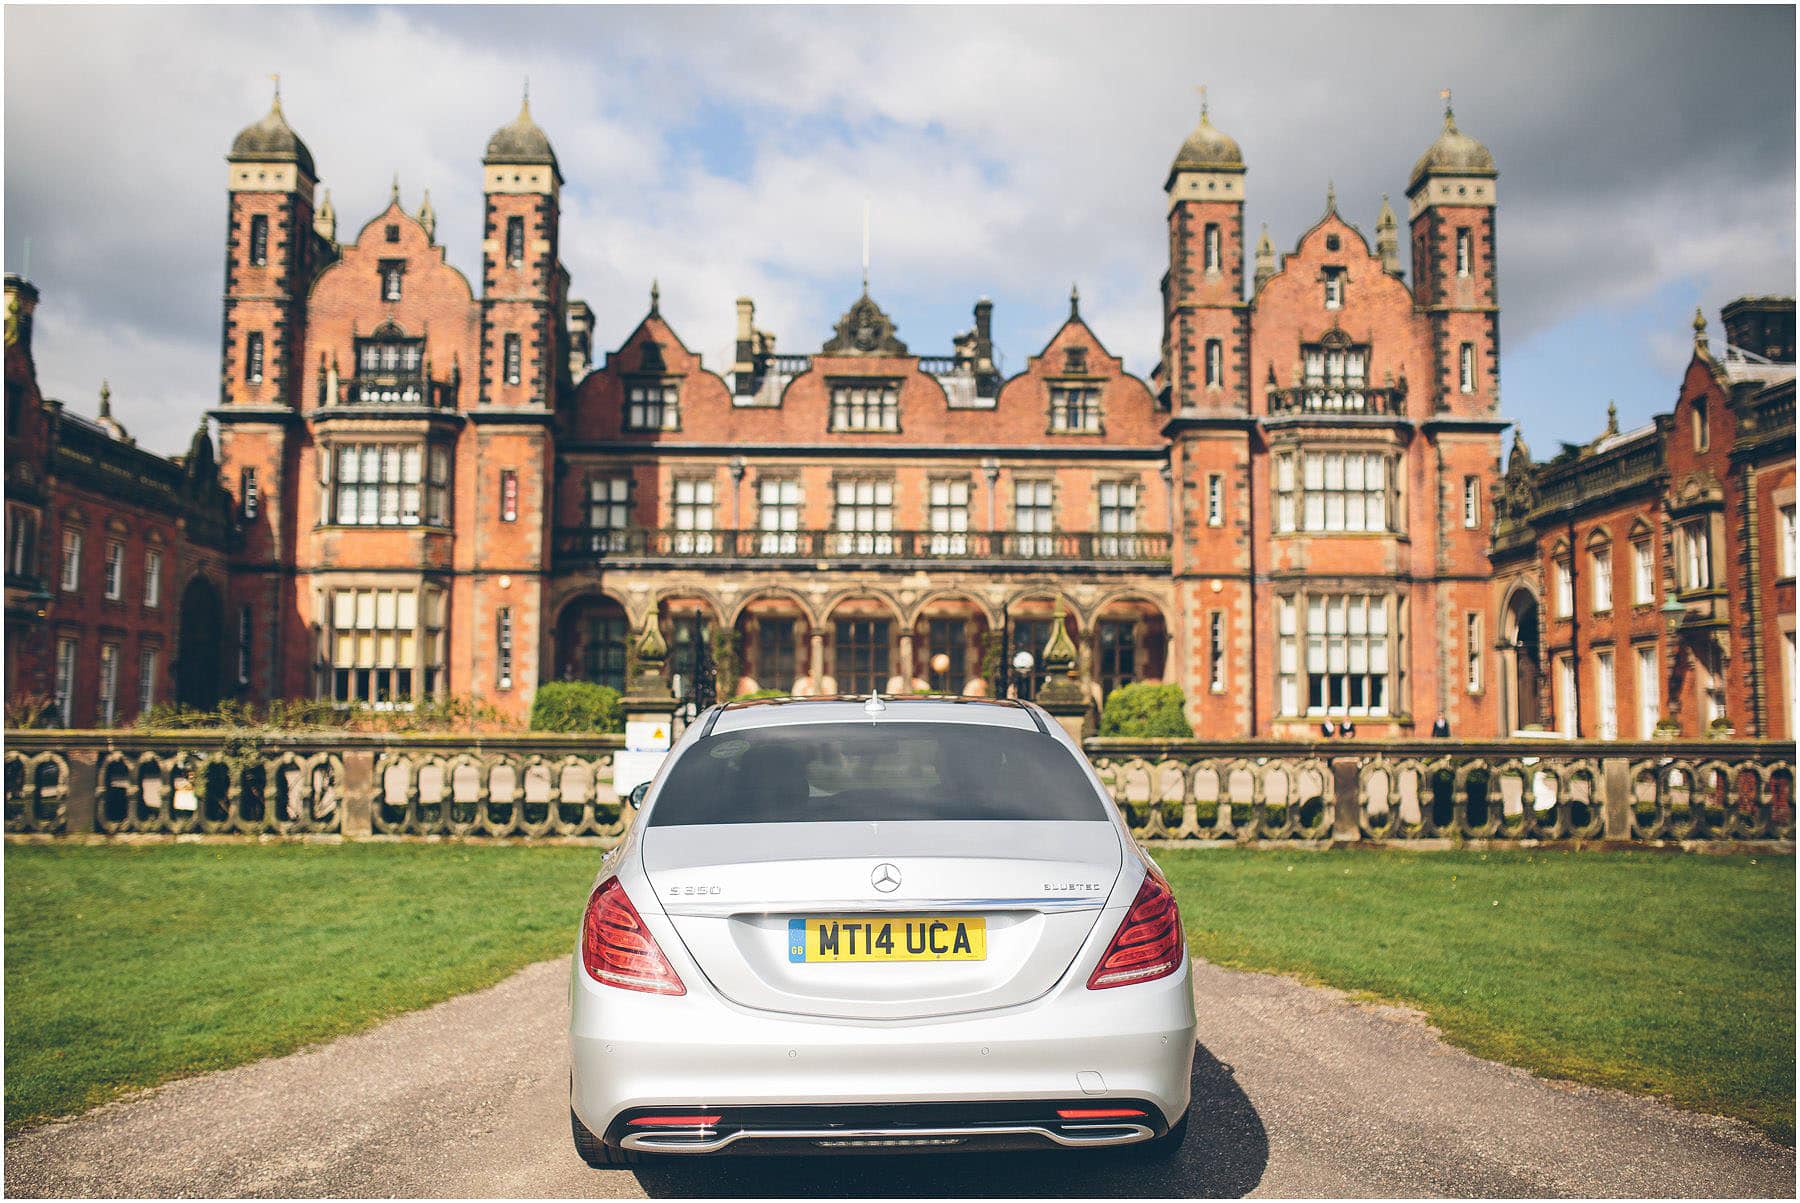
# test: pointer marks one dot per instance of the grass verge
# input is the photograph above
(131, 965)
(1667, 975)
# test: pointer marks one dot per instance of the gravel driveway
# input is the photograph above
(1298, 1091)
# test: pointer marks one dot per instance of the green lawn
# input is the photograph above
(128, 965)
(1665, 974)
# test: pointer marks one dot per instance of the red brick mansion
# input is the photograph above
(436, 489)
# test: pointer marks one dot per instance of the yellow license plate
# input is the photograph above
(901, 938)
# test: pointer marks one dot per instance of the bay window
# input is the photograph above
(1696, 554)
(385, 484)
(380, 652)
(1334, 491)
(1335, 655)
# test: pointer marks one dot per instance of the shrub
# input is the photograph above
(1146, 712)
(755, 694)
(577, 706)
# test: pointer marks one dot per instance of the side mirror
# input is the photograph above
(635, 798)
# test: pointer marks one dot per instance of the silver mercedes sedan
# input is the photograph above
(845, 925)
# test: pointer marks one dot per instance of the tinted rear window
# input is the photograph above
(875, 772)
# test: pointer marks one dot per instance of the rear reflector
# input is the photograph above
(1148, 944)
(616, 947)
(673, 1121)
(1103, 1113)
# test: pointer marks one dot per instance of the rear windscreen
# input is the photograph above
(875, 772)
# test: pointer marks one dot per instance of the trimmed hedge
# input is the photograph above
(756, 694)
(1146, 712)
(577, 706)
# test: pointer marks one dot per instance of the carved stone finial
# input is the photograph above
(1449, 114)
(428, 218)
(1265, 257)
(394, 192)
(1612, 417)
(1387, 238)
(325, 220)
(1074, 303)
(1699, 324)
(106, 392)
(652, 652)
(655, 299)
(1060, 689)
(1330, 196)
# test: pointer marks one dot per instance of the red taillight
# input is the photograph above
(1148, 944)
(616, 947)
(673, 1121)
(1102, 1113)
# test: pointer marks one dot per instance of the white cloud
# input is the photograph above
(1007, 151)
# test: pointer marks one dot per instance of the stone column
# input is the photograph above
(358, 797)
(1615, 797)
(906, 660)
(647, 696)
(1346, 821)
(818, 657)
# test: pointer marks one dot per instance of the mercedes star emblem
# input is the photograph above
(885, 878)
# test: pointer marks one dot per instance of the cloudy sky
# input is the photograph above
(1646, 159)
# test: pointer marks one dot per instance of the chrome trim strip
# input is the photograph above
(1103, 1135)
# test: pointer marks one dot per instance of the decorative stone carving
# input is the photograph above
(864, 330)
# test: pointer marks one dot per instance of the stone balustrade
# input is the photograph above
(538, 786)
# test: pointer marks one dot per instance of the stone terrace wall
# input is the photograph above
(525, 787)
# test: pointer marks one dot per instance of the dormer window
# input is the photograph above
(1074, 409)
(652, 405)
(1212, 248)
(1334, 288)
(391, 272)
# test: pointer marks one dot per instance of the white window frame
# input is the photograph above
(779, 502)
(107, 711)
(147, 659)
(1471, 503)
(653, 405)
(153, 561)
(1327, 491)
(1648, 689)
(947, 515)
(862, 515)
(1466, 368)
(694, 504)
(1312, 642)
(1074, 409)
(1643, 572)
(1215, 500)
(865, 406)
(115, 570)
(1565, 696)
(71, 560)
(1213, 257)
(1606, 689)
(1034, 515)
(1215, 363)
(1118, 513)
(1696, 553)
(1785, 553)
(1465, 253)
(1562, 579)
(1334, 289)
(1473, 651)
(1600, 577)
(68, 655)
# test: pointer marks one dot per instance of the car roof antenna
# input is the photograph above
(874, 705)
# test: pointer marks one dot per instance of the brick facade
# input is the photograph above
(116, 558)
(1646, 580)
(1292, 518)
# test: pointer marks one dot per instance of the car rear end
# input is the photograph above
(907, 925)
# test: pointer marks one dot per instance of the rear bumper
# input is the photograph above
(633, 1053)
(890, 1128)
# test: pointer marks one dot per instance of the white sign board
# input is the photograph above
(632, 769)
(647, 735)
